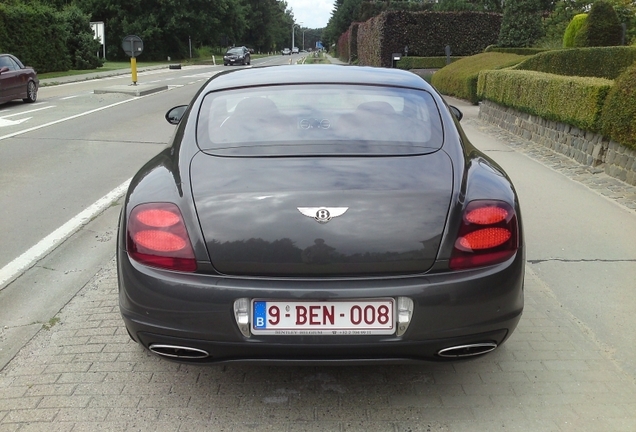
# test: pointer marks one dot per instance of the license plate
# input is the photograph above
(339, 317)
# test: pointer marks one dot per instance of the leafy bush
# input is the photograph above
(601, 62)
(460, 78)
(576, 101)
(203, 52)
(37, 36)
(81, 44)
(601, 28)
(521, 23)
(48, 39)
(424, 62)
(573, 29)
(618, 119)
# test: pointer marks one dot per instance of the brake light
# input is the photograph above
(488, 235)
(157, 237)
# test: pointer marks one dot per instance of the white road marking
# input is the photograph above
(4, 123)
(28, 259)
(27, 112)
(70, 97)
(70, 118)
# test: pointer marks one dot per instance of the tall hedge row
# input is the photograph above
(600, 62)
(348, 44)
(426, 34)
(343, 46)
(577, 101)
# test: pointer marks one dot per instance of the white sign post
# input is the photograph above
(100, 35)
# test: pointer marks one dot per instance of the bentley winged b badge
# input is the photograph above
(322, 214)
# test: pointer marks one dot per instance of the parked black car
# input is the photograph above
(238, 55)
(320, 214)
(16, 80)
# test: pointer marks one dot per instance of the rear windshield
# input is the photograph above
(319, 118)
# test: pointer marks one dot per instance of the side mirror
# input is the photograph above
(174, 115)
(456, 112)
(4, 69)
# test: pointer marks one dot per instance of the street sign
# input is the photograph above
(132, 45)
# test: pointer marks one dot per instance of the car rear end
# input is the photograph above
(320, 222)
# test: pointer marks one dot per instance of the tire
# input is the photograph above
(32, 92)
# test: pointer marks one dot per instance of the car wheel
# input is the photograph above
(224, 64)
(32, 92)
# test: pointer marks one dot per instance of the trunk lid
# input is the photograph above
(266, 216)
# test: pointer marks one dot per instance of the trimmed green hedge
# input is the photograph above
(426, 34)
(576, 101)
(460, 78)
(618, 119)
(518, 51)
(600, 62)
(424, 62)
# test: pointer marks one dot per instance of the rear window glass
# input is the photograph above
(360, 118)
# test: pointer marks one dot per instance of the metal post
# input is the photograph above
(190, 45)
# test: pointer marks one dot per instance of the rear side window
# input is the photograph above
(351, 119)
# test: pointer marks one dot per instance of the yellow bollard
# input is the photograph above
(133, 67)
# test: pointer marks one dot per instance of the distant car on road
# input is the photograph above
(238, 55)
(319, 213)
(286, 51)
(295, 50)
(16, 80)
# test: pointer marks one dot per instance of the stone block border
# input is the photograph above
(585, 147)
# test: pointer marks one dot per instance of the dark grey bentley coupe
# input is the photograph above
(320, 214)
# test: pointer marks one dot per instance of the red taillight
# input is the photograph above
(488, 235)
(157, 237)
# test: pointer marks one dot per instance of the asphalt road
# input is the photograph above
(568, 367)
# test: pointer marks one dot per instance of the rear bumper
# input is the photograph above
(196, 311)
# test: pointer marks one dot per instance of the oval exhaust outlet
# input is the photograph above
(467, 350)
(174, 351)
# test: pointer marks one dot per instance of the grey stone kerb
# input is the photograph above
(585, 147)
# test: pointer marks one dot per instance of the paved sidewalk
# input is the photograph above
(83, 373)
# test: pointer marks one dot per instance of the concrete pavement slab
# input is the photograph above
(131, 89)
(84, 373)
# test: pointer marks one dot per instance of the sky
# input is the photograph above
(312, 13)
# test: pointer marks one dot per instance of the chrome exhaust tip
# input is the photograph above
(179, 352)
(469, 350)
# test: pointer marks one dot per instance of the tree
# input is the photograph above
(521, 23)
(601, 28)
(345, 12)
(167, 27)
(558, 18)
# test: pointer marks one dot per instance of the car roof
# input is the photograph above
(316, 74)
